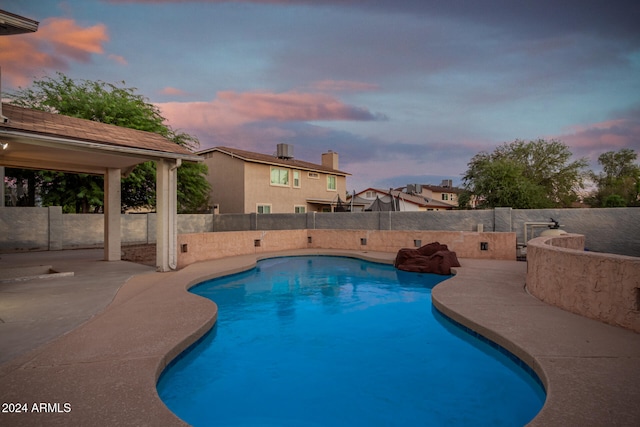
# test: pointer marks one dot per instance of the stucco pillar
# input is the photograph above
(112, 196)
(166, 214)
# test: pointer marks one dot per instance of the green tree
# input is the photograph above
(121, 106)
(619, 182)
(614, 201)
(525, 175)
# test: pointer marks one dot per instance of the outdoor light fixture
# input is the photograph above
(4, 145)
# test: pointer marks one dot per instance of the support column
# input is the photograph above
(166, 214)
(112, 208)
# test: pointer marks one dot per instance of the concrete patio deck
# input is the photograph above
(98, 341)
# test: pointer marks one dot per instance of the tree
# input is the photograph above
(120, 106)
(525, 175)
(618, 184)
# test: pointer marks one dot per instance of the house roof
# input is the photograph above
(61, 141)
(440, 189)
(410, 198)
(15, 24)
(249, 156)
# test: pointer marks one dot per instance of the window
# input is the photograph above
(331, 182)
(313, 175)
(300, 209)
(296, 179)
(370, 194)
(445, 196)
(264, 209)
(279, 176)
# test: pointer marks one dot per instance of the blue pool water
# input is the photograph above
(331, 341)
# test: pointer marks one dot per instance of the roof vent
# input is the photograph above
(284, 151)
(414, 188)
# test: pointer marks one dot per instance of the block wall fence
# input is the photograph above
(615, 230)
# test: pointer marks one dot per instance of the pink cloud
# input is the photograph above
(119, 59)
(72, 40)
(234, 109)
(594, 139)
(57, 41)
(173, 91)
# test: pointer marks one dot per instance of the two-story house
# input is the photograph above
(246, 182)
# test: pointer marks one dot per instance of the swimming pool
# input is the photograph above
(331, 341)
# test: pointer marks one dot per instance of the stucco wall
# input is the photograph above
(600, 286)
(226, 175)
(204, 246)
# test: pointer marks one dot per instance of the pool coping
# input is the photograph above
(107, 368)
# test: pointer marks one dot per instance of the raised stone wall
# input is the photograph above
(600, 286)
(466, 244)
(205, 246)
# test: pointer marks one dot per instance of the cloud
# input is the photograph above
(233, 109)
(593, 139)
(173, 91)
(117, 58)
(71, 40)
(543, 16)
(57, 42)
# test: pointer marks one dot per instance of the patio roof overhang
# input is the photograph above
(11, 24)
(33, 151)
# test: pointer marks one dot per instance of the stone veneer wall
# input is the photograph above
(603, 287)
(205, 246)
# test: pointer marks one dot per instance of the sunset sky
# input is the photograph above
(406, 91)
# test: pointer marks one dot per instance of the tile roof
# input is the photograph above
(250, 156)
(57, 125)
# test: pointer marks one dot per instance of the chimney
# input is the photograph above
(330, 160)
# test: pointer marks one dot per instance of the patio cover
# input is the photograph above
(35, 139)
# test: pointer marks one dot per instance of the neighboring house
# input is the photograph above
(373, 199)
(246, 182)
(445, 192)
